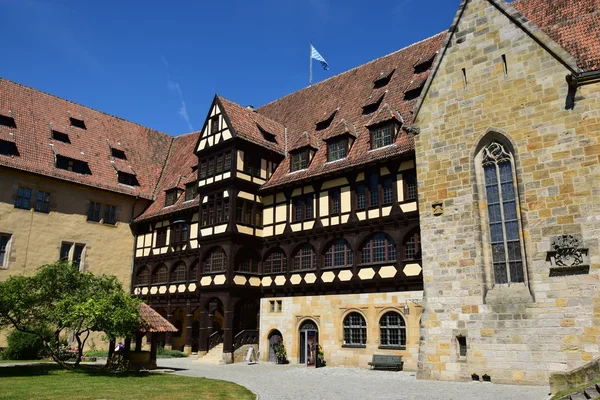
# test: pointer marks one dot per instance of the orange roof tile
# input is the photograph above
(36, 113)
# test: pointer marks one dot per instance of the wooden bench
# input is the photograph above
(387, 362)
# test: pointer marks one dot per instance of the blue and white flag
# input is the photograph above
(315, 54)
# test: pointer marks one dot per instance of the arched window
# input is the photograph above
(305, 258)
(160, 274)
(392, 330)
(246, 261)
(355, 330)
(178, 272)
(339, 254)
(143, 276)
(500, 192)
(379, 248)
(275, 262)
(412, 246)
(215, 261)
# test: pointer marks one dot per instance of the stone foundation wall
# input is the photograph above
(328, 313)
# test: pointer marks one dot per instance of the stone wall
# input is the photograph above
(328, 313)
(518, 333)
(36, 237)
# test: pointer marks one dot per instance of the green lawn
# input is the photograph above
(44, 381)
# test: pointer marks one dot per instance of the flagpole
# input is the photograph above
(310, 62)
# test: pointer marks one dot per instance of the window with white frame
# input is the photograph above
(73, 253)
(4, 241)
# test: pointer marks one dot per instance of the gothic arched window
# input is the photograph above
(502, 203)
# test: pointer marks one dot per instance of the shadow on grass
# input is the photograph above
(48, 369)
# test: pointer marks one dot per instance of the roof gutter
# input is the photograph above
(576, 80)
(583, 78)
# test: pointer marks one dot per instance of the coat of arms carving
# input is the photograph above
(567, 256)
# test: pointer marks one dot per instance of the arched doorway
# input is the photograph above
(274, 337)
(309, 338)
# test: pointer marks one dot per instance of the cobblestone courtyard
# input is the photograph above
(291, 382)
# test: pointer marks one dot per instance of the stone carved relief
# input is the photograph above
(567, 256)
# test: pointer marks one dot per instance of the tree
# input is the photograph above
(65, 300)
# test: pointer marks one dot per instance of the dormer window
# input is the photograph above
(337, 149)
(382, 135)
(373, 104)
(190, 191)
(171, 197)
(424, 64)
(118, 153)
(8, 148)
(7, 121)
(321, 125)
(299, 160)
(70, 164)
(269, 137)
(383, 79)
(127, 179)
(60, 136)
(77, 123)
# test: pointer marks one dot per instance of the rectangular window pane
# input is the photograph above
(42, 203)
(227, 162)
(308, 206)
(498, 253)
(94, 212)
(490, 174)
(494, 213)
(510, 210)
(3, 245)
(23, 198)
(110, 215)
(65, 248)
(77, 255)
(516, 272)
(500, 273)
(512, 230)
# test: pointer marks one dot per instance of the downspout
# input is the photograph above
(137, 198)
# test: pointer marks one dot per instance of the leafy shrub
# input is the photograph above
(96, 353)
(24, 346)
(162, 353)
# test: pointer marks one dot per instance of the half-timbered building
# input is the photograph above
(302, 221)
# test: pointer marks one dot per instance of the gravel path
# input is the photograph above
(294, 382)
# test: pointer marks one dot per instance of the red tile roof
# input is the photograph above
(340, 129)
(178, 171)
(36, 113)
(573, 24)
(247, 125)
(152, 321)
(350, 91)
(305, 139)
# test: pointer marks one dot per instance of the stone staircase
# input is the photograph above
(213, 357)
(591, 392)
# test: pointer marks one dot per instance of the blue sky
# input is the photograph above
(159, 63)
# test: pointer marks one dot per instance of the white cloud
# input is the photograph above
(174, 87)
